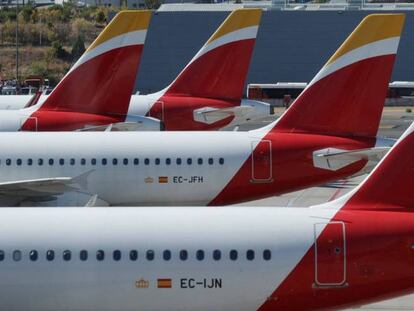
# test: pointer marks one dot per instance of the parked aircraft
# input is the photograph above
(352, 251)
(206, 95)
(329, 133)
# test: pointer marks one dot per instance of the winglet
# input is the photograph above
(347, 95)
(220, 68)
(102, 80)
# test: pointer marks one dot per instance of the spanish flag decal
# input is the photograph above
(164, 283)
(163, 179)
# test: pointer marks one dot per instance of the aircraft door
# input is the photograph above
(157, 110)
(330, 254)
(262, 161)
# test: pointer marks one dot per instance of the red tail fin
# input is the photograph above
(102, 80)
(389, 186)
(347, 96)
(220, 68)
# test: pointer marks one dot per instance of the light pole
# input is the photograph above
(17, 41)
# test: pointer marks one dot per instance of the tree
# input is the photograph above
(78, 48)
(57, 50)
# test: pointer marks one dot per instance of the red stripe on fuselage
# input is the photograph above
(379, 265)
(292, 167)
(177, 112)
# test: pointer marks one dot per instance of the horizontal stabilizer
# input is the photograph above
(334, 159)
(211, 115)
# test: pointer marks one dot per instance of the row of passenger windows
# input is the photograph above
(149, 255)
(115, 161)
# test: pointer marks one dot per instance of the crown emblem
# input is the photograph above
(142, 283)
(149, 180)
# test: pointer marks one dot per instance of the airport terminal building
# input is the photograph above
(292, 44)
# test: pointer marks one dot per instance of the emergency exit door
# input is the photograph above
(330, 254)
(262, 161)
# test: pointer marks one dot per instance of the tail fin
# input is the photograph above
(220, 68)
(389, 185)
(347, 95)
(102, 80)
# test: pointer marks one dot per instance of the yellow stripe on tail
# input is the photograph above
(237, 20)
(123, 22)
(374, 27)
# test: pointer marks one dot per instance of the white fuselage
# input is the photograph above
(129, 168)
(220, 283)
(13, 114)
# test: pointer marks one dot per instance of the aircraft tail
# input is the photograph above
(389, 186)
(220, 68)
(102, 80)
(347, 95)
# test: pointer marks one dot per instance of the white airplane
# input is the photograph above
(314, 142)
(96, 93)
(345, 253)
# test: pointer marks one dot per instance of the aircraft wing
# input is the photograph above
(42, 189)
(335, 159)
(211, 115)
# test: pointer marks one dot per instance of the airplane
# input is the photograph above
(206, 95)
(329, 133)
(355, 250)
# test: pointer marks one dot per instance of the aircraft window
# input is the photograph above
(168, 161)
(100, 255)
(178, 161)
(50, 255)
(51, 161)
(104, 161)
(133, 255)
(221, 161)
(267, 254)
(114, 161)
(116, 255)
(216, 254)
(40, 162)
(19, 162)
(62, 161)
(83, 255)
(67, 255)
(83, 161)
(1, 255)
(189, 161)
(157, 161)
(136, 161)
(200, 254)
(72, 161)
(8, 161)
(233, 254)
(183, 254)
(210, 161)
(29, 162)
(17, 255)
(33, 255)
(93, 161)
(200, 161)
(250, 254)
(125, 161)
(166, 255)
(150, 254)
(146, 161)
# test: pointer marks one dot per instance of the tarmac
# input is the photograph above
(394, 122)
